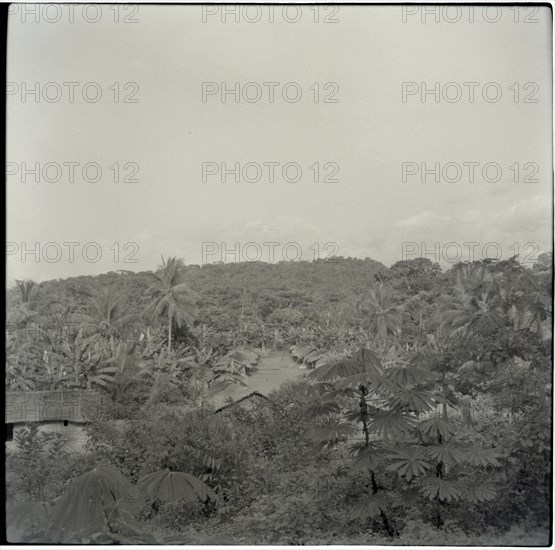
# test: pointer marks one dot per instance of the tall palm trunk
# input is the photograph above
(444, 404)
(169, 330)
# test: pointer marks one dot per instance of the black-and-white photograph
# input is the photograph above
(279, 274)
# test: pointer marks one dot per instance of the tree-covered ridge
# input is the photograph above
(222, 301)
(428, 422)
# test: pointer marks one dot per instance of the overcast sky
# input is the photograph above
(368, 133)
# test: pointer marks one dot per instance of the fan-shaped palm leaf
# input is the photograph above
(96, 501)
(332, 371)
(391, 423)
(365, 363)
(479, 456)
(405, 375)
(409, 462)
(174, 486)
(368, 359)
(435, 427)
(332, 433)
(446, 453)
(415, 400)
(444, 489)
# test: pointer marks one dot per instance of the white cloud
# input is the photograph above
(424, 219)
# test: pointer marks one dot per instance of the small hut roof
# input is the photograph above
(314, 356)
(323, 360)
(248, 396)
(241, 355)
(50, 406)
(304, 351)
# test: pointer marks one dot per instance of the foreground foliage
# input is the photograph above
(431, 425)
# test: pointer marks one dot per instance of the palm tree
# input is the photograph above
(92, 337)
(171, 295)
(384, 317)
(476, 301)
(25, 288)
(106, 314)
(22, 314)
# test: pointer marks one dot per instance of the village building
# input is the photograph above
(62, 411)
(247, 402)
(309, 356)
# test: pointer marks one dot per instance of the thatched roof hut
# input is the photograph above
(326, 359)
(241, 359)
(78, 406)
(246, 400)
(311, 358)
(302, 350)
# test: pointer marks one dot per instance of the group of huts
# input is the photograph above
(68, 411)
(309, 356)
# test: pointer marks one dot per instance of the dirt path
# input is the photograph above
(272, 371)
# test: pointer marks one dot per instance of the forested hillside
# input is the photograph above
(429, 422)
